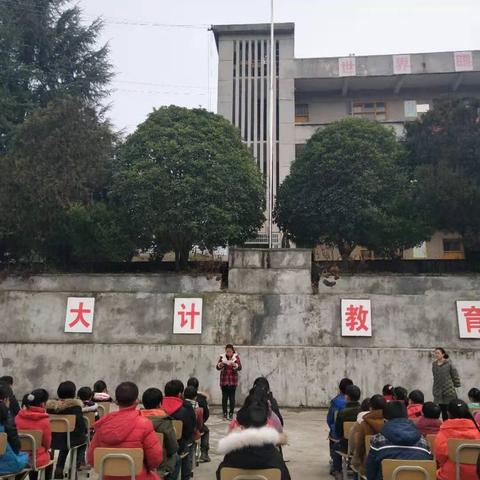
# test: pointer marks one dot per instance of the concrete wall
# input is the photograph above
(294, 339)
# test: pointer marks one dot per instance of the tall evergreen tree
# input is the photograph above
(46, 53)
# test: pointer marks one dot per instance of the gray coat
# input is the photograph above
(445, 380)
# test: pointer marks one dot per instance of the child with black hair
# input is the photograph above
(400, 394)
(429, 423)
(85, 394)
(262, 382)
(100, 392)
(387, 392)
(460, 424)
(254, 444)
(474, 398)
(152, 409)
(416, 400)
(34, 417)
(179, 409)
(202, 400)
(348, 414)
(336, 404)
(67, 404)
(12, 460)
(127, 428)
(14, 406)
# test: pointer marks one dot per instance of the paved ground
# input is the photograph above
(307, 451)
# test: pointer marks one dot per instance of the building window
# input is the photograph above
(371, 110)
(301, 113)
(452, 245)
(299, 147)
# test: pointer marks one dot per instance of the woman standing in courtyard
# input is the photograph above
(445, 381)
(229, 366)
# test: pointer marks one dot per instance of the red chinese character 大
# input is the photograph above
(472, 317)
(356, 318)
(79, 318)
(192, 313)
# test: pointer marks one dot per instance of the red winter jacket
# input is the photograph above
(428, 426)
(36, 418)
(127, 428)
(414, 411)
(454, 428)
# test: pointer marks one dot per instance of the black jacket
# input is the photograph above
(14, 406)
(181, 410)
(6, 419)
(348, 414)
(252, 448)
(203, 403)
(68, 406)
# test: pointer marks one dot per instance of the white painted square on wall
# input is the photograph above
(79, 315)
(187, 315)
(347, 67)
(356, 318)
(468, 315)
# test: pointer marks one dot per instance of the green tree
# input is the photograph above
(46, 53)
(444, 151)
(60, 158)
(348, 188)
(185, 178)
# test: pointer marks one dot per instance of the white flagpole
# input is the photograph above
(270, 130)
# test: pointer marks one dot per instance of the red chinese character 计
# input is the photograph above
(472, 317)
(79, 311)
(356, 318)
(183, 314)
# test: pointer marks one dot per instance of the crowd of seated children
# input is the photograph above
(399, 423)
(128, 428)
(395, 440)
(253, 444)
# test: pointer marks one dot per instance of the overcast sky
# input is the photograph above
(158, 65)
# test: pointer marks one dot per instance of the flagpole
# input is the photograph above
(270, 129)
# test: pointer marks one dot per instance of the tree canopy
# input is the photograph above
(185, 178)
(348, 187)
(444, 152)
(60, 160)
(46, 53)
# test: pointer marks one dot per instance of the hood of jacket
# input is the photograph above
(250, 437)
(33, 413)
(172, 404)
(460, 428)
(401, 431)
(375, 420)
(114, 428)
(154, 412)
(224, 358)
(63, 404)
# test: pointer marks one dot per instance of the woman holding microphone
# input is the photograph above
(229, 366)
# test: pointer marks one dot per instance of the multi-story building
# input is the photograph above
(313, 92)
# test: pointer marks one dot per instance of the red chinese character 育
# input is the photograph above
(356, 318)
(192, 313)
(472, 317)
(79, 311)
